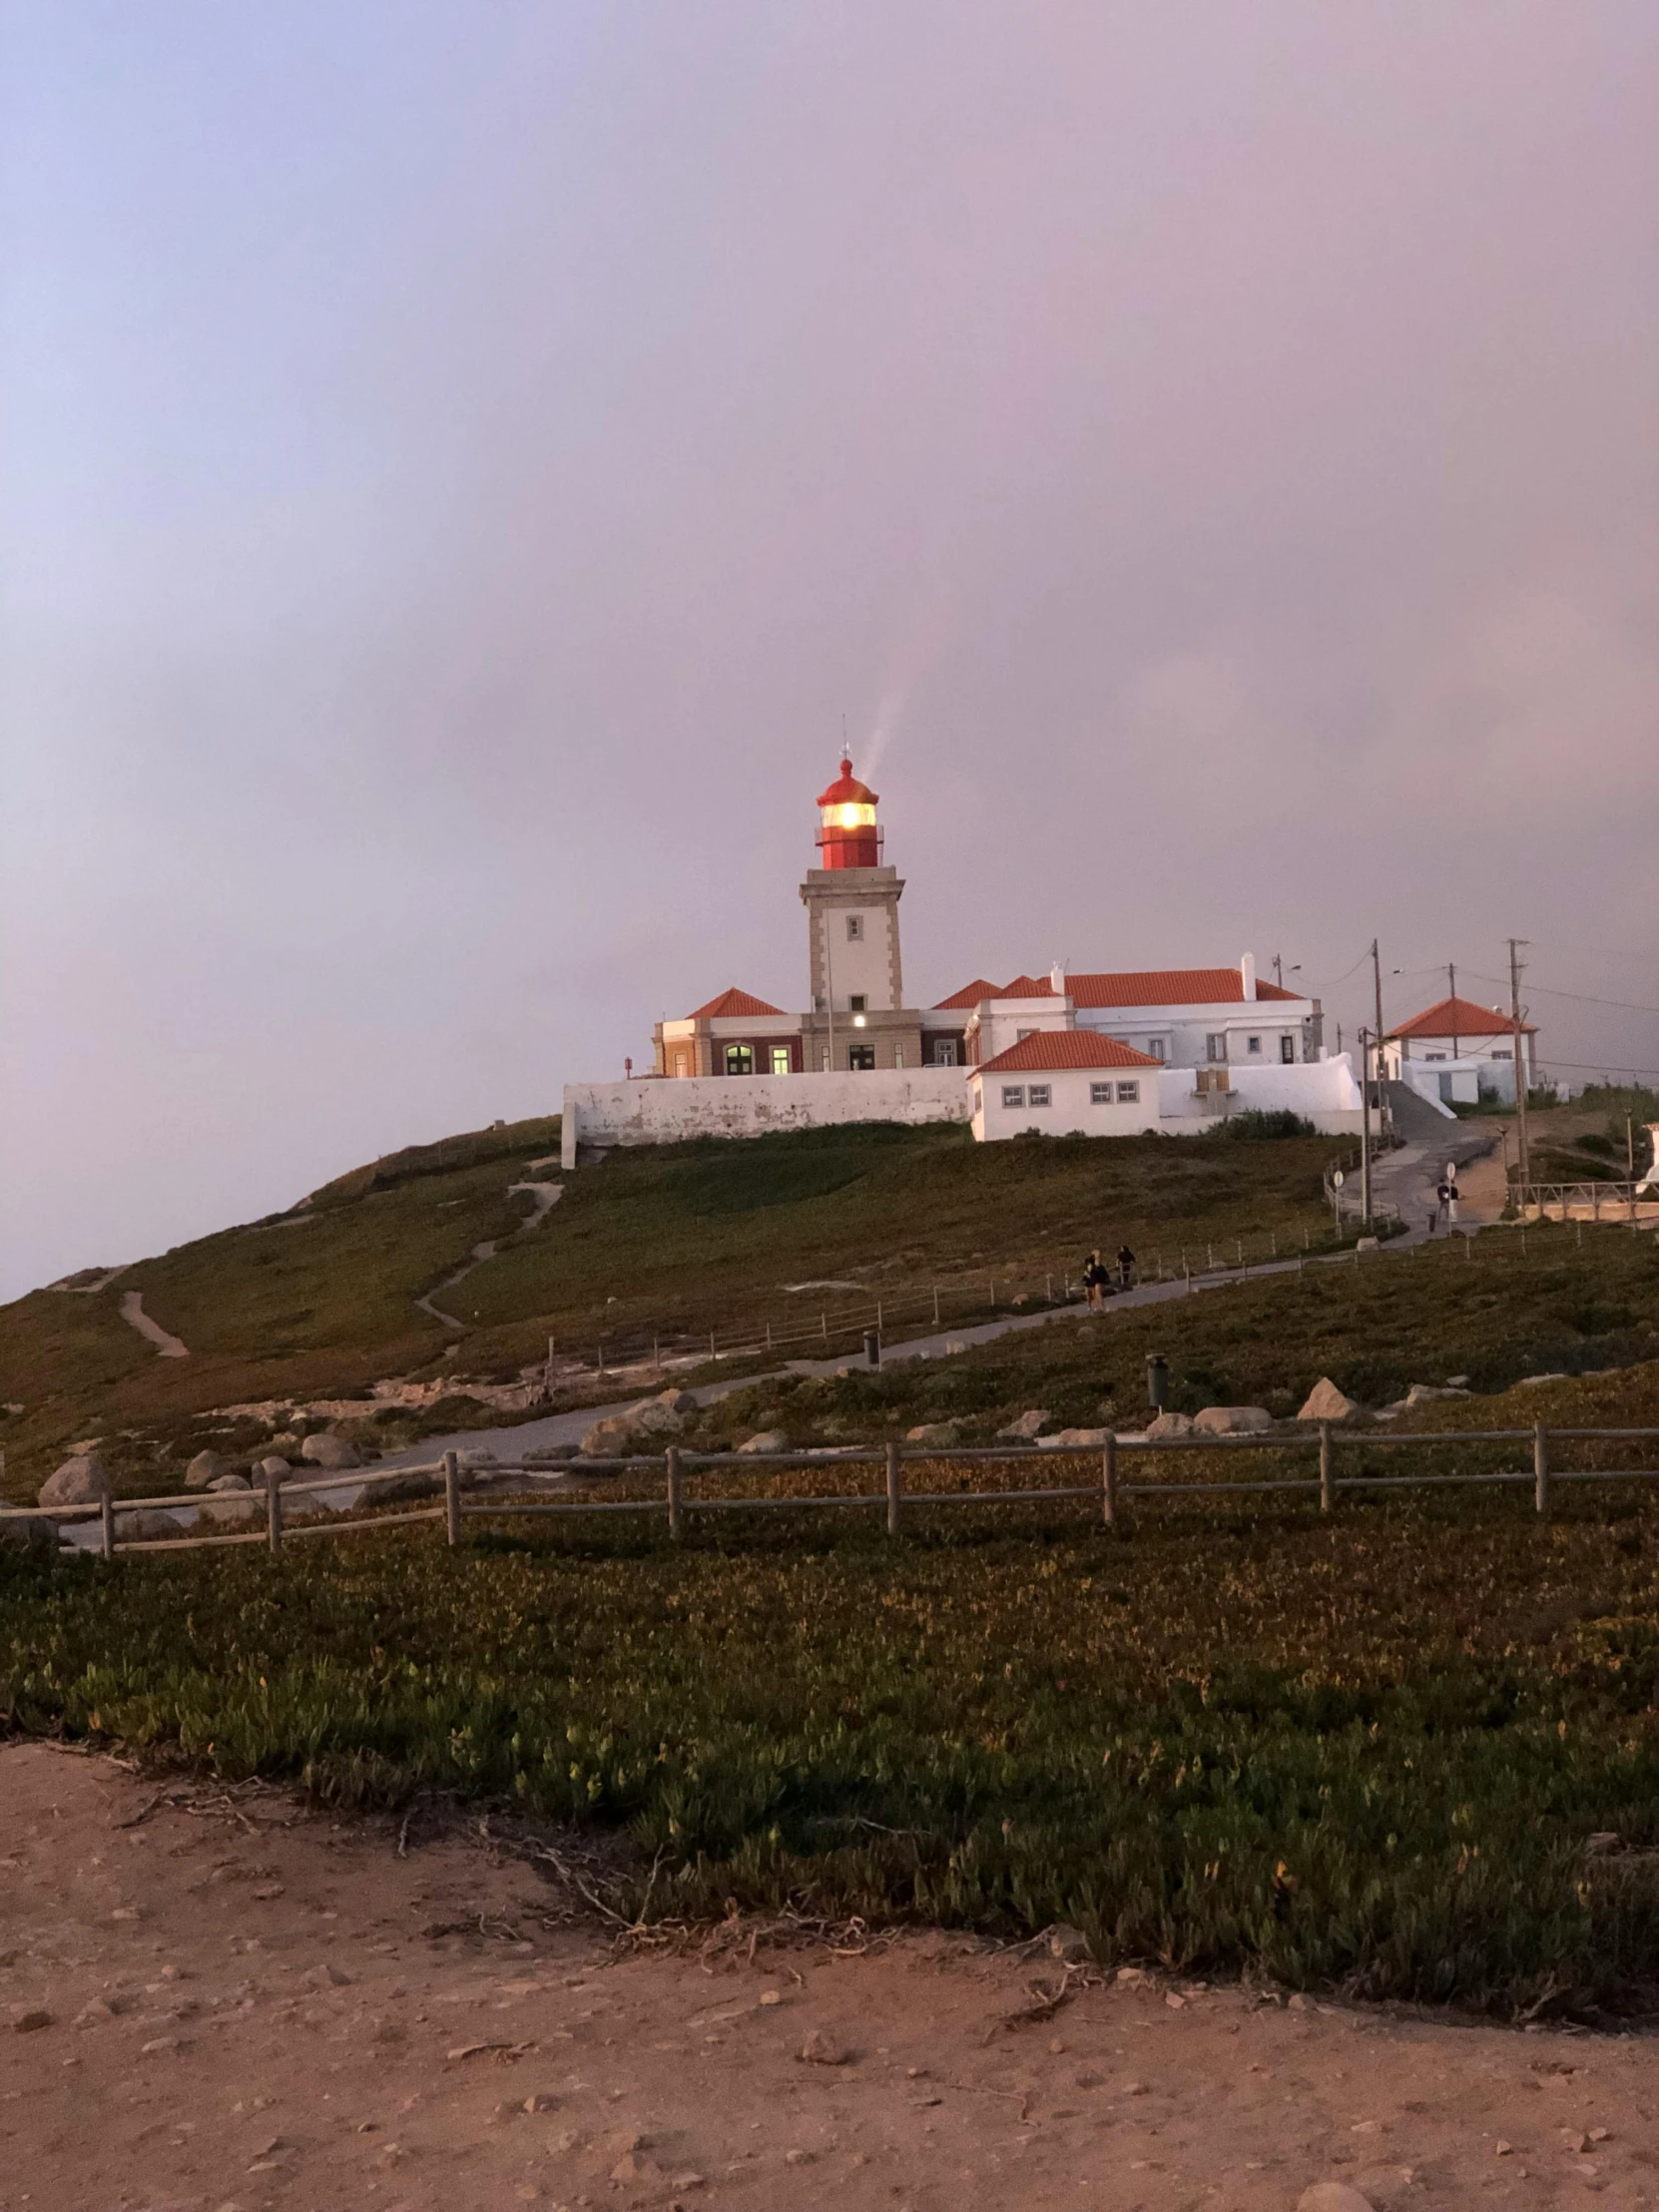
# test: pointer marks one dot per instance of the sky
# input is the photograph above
(463, 464)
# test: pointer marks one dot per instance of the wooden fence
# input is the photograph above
(1107, 1491)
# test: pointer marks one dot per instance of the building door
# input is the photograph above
(1445, 1082)
(944, 1053)
(1287, 1050)
(861, 1056)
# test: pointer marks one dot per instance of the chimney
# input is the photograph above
(1247, 971)
(1057, 981)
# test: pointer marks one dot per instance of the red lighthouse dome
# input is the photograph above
(848, 835)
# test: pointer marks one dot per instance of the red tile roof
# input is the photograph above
(1140, 988)
(1066, 1048)
(1460, 1017)
(968, 996)
(731, 1002)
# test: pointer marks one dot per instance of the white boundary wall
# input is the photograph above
(1325, 1092)
(665, 1109)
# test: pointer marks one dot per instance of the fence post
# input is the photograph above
(274, 1513)
(452, 1498)
(892, 1490)
(1328, 1477)
(671, 1463)
(1540, 1467)
(935, 1306)
(1109, 1481)
(106, 1520)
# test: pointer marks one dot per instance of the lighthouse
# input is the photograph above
(858, 1019)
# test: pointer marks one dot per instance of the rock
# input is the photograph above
(1024, 1427)
(1332, 2196)
(147, 1527)
(416, 1482)
(767, 1439)
(83, 1480)
(273, 1470)
(1367, 1244)
(27, 2024)
(1231, 1421)
(1170, 1424)
(328, 1452)
(610, 1437)
(549, 1456)
(677, 1401)
(229, 1483)
(822, 2049)
(654, 1417)
(1326, 1402)
(32, 1532)
(1423, 1394)
(475, 1459)
(206, 1470)
(953, 1346)
(939, 1432)
(230, 1507)
(1073, 1439)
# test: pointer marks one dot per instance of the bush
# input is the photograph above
(1255, 1123)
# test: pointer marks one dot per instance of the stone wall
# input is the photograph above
(651, 1111)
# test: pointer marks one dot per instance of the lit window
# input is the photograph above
(1037, 1095)
(1013, 1094)
(1129, 1094)
(854, 928)
(850, 817)
(1100, 1094)
(862, 1056)
(780, 1059)
(679, 1063)
(739, 1060)
(898, 1055)
(1252, 1044)
(824, 1058)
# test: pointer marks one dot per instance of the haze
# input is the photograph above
(462, 462)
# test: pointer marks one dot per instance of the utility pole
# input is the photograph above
(1452, 978)
(1522, 1155)
(1377, 976)
(1364, 1133)
(1279, 970)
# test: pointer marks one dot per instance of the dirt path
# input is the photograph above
(214, 2001)
(543, 1196)
(134, 1314)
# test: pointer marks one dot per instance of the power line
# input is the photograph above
(1549, 990)
(1592, 1067)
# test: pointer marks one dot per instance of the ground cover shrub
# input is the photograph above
(1229, 1736)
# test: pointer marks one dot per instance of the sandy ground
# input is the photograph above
(226, 2001)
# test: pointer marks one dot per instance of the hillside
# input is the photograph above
(663, 1245)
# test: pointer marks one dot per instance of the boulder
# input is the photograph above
(1024, 1427)
(476, 1459)
(767, 1439)
(328, 1452)
(1232, 1420)
(677, 1401)
(1421, 1393)
(940, 1433)
(1170, 1424)
(1326, 1402)
(610, 1437)
(1332, 2196)
(232, 1506)
(273, 1470)
(147, 1527)
(1072, 1439)
(416, 1482)
(229, 1483)
(83, 1480)
(549, 1456)
(31, 1532)
(205, 1470)
(654, 1417)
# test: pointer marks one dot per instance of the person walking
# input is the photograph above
(1126, 1267)
(1094, 1278)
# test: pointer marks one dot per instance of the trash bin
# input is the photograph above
(1157, 1380)
(872, 1348)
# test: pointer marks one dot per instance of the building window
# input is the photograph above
(1215, 1046)
(978, 1099)
(1037, 1095)
(1100, 1094)
(824, 1058)
(1013, 1094)
(679, 1063)
(780, 1059)
(1155, 1046)
(739, 1060)
(898, 1055)
(944, 1053)
(1287, 1050)
(1129, 1094)
(854, 928)
(857, 1003)
(1253, 1044)
(1433, 1055)
(862, 1056)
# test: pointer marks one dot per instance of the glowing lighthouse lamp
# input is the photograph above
(848, 835)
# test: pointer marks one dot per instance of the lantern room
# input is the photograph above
(848, 835)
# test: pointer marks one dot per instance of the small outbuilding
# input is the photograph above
(1457, 1053)
(1065, 1082)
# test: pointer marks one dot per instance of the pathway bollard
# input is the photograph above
(1109, 1481)
(1328, 1473)
(106, 1521)
(452, 1498)
(1540, 1467)
(892, 1490)
(676, 1515)
(274, 1513)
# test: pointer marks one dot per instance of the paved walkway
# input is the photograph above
(134, 1314)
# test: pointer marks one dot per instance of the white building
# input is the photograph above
(1457, 1053)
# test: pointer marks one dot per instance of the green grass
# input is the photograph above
(675, 1240)
(1366, 1752)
